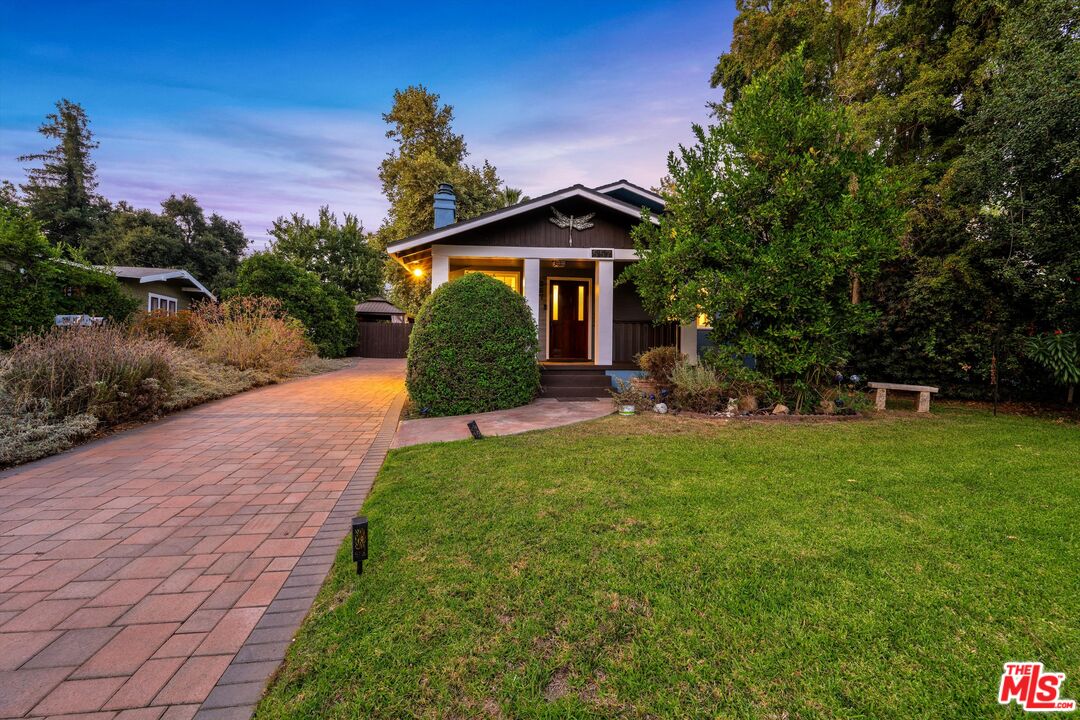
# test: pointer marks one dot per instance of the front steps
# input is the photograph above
(571, 383)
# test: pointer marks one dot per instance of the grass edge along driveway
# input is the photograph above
(660, 567)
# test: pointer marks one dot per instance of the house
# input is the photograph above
(167, 289)
(377, 309)
(564, 252)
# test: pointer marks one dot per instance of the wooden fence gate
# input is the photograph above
(382, 339)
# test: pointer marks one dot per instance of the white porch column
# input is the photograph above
(530, 286)
(440, 267)
(605, 295)
(688, 342)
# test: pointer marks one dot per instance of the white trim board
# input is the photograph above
(464, 225)
(172, 275)
(542, 253)
(639, 191)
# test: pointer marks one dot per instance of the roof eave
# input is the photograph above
(184, 274)
(460, 227)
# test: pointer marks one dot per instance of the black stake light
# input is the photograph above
(359, 542)
(475, 430)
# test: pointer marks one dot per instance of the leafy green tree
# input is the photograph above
(39, 281)
(212, 246)
(138, 237)
(774, 216)
(61, 191)
(992, 254)
(328, 314)
(427, 153)
(974, 104)
(181, 236)
(341, 254)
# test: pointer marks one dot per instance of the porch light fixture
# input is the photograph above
(359, 542)
(418, 272)
(558, 263)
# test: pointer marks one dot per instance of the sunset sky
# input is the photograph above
(270, 108)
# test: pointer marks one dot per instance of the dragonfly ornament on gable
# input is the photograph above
(571, 223)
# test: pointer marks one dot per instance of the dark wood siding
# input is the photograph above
(534, 229)
(629, 338)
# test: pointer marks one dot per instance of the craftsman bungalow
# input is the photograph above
(564, 252)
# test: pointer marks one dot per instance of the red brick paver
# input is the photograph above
(136, 570)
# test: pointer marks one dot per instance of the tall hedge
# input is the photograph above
(37, 282)
(473, 349)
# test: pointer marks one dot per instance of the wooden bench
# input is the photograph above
(884, 388)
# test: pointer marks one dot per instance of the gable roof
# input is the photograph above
(508, 212)
(150, 274)
(634, 194)
(378, 306)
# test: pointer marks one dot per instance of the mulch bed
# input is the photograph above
(765, 417)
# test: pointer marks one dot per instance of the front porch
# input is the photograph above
(583, 316)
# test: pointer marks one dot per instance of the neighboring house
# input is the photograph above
(167, 289)
(564, 252)
(377, 309)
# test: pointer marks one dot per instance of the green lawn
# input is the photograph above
(659, 567)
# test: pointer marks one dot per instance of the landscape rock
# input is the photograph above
(781, 410)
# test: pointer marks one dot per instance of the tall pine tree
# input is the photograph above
(61, 191)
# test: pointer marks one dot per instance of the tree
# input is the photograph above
(974, 104)
(427, 153)
(61, 192)
(327, 313)
(511, 196)
(340, 254)
(181, 236)
(774, 216)
(212, 247)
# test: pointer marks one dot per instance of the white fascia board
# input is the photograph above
(524, 207)
(543, 253)
(631, 188)
(184, 274)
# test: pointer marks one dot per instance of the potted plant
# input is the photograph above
(627, 398)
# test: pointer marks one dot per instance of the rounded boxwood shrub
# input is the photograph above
(473, 349)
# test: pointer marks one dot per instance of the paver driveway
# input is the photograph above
(133, 570)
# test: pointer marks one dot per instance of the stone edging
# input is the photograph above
(241, 686)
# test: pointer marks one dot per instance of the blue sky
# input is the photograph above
(267, 108)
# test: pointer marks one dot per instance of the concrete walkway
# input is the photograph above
(538, 415)
(159, 574)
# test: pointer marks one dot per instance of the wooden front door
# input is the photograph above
(568, 319)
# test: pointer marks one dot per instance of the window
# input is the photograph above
(161, 302)
(505, 276)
